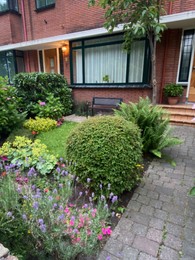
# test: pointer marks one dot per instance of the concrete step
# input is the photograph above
(182, 114)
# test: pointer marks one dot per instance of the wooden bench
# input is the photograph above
(104, 103)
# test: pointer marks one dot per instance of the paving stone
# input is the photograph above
(170, 208)
(153, 195)
(143, 199)
(129, 253)
(143, 256)
(135, 205)
(139, 229)
(148, 210)
(141, 191)
(160, 214)
(139, 218)
(135, 196)
(113, 246)
(104, 255)
(187, 257)
(188, 249)
(173, 242)
(189, 235)
(155, 203)
(168, 254)
(165, 198)
(164, 190)
(174, 229)
(157, 223)
(176, 219)
(146, 245)
(155, 235)
(125, 223)
(126, 237)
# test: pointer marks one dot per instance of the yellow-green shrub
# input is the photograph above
(40, 124)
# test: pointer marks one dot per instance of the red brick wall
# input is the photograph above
(178, 6)
(5, 29)
(80, 95)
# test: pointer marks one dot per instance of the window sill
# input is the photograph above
(44, 8)
(10, 12)
(119, 86)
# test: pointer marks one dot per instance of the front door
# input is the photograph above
(191, 96)
(51, 61)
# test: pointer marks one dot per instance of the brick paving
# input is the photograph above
(159, 222)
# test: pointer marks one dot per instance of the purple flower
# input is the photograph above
(108, 258)
(109, 186)
(58, 170)
(80, 193)
(61, 207)
(102, 197)
(106, 206)
(85, 206)
(24, 216)
(100, 186)
(33, 187)
(43, 228)
(50, 198)
(60, 185)
(55, 191)
(25, 197)
(55, 205)
(90, 199)
(40, 221)
(113, 214)
(31, 172)
(9, 214)
(61, 217)
(42, 103)
(73, 218)
(92, 194)
(88, 180)
(114, 199)
(111, 195)
(36, 205)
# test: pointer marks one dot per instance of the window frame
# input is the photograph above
(45, 7)
(10, 9)
(146, 66)
(181, 57)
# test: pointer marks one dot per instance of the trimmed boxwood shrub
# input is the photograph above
(106, 151)
(34, 87)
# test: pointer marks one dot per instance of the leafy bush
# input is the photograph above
(106, 151)
(153, 122)
(52, 108)
(25, 153)
(42, 222)
(10, 117)
(40, 124)
(173, 90)
(35, 86)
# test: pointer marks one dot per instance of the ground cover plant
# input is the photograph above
(37, 214)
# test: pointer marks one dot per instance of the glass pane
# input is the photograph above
(104, 40)
(136, 63)
(77, 67)
(20, 64)
(11, 66)
(3, 5)
(105, 64)
(186, 55)
(44, 3)
(14, 5)
(3, 65)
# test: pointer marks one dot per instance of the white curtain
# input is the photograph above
(110, 60)
(136, 65)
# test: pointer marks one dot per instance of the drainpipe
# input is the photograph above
(25, 33)
(170, 7)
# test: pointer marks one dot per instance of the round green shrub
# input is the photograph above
(106, 150)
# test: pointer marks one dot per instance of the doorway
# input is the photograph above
(191, 96)
(51, 61)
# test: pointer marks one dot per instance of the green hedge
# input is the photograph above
(34, 87)
(106, 150)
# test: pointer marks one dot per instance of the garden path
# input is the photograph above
(159, 222)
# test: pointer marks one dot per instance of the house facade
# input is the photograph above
(68, 37)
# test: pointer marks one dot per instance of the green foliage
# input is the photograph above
(192, 191)
(52, 108)
(32, 87)
(153, 122)
(20, 132)
(106, 150)
(56, 138)
(27, 154)
(9, 104)
(40, 124)
(80, 109)
(173, 90)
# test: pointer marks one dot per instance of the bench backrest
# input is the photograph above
(107, 101)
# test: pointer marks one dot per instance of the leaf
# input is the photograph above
(156, 153)
(192, 192)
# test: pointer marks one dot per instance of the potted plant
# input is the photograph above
(173, 92)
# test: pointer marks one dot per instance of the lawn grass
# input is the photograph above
(56, 138)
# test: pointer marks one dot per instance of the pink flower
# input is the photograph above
(106, 231)
(193, 107)
(42, 103)
(71, 222)
(100, 237)
(67, 210)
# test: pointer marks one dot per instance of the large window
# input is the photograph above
(11, 62)
(186, 54)
(103, 61)
(8, 5)
(42, 4)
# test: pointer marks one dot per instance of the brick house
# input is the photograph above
(68, 37)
